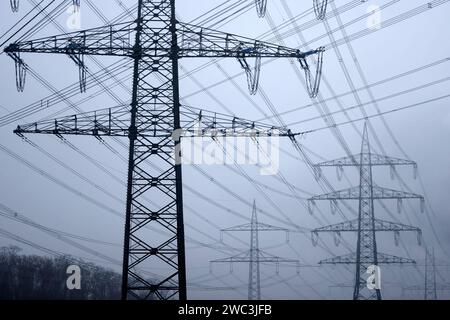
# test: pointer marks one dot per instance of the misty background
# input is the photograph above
(57, 192)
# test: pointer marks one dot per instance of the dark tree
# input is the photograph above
(25, 277)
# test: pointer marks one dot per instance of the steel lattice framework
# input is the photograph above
(430, 275)
(151, 122)
(255, 256)
(366, 225)
(430, 287)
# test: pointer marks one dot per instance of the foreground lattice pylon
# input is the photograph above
(430, 275)
(154, 192)
(366, 225)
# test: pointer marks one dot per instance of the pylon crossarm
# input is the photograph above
(241, 257)
(375, 160)
(380, 225)
(385, 193)
(340, 162)
(381, 160)
(105, 122)
(353, 193)
(262, 257)
(116, 121)
(347, 226)
(113, 40)
(195, 41)
(198, 122)
(258, 227)
(267, 257)
(382, 258)
(345, 259)
(347, 194)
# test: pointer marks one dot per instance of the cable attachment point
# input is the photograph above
(313, 85)
(21, 70)
(252, 75)
(320, 8)
(14, 5)
(261, 7)
(78, 58)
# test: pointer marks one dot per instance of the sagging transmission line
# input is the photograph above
(252, 75)
(21, 72)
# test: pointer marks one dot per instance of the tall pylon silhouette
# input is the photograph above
(430, 275)
(154, 122)
(366, 225)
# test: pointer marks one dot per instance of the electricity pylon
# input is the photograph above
(255, 255)
(430, 275)
(430, 287)
(366, 225)
(152, 123)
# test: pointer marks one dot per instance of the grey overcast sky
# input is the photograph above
(408, 39)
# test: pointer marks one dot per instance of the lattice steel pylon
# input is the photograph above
(430, 275)
(152, 123)
(255, 256)
(430, 287)
(366, 225)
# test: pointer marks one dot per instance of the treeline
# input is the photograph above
(26, 277)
